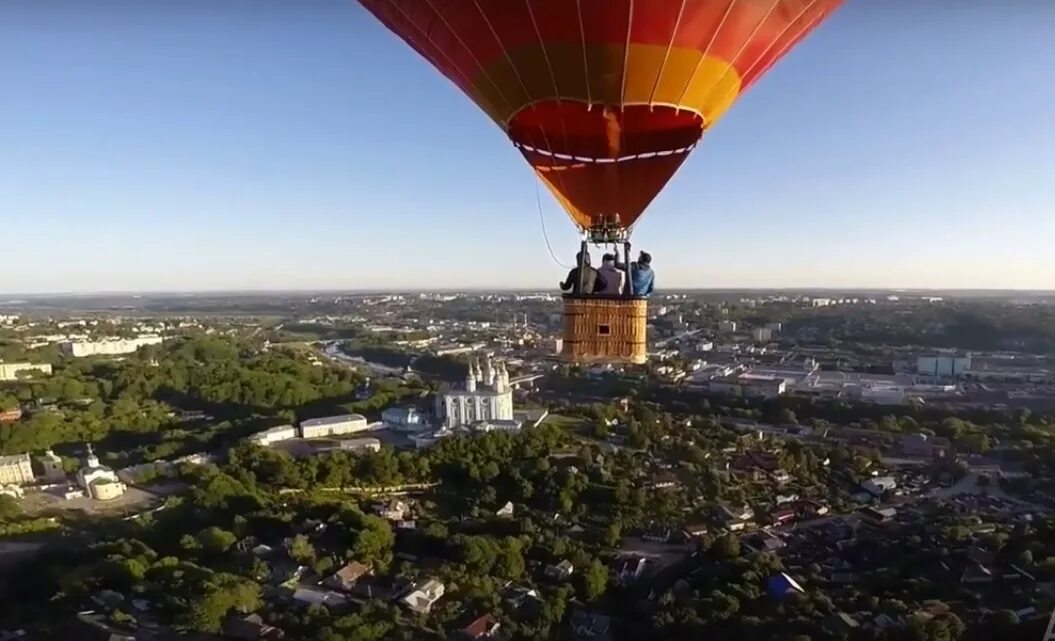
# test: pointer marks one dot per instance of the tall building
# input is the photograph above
(11, 371)
(487, 396)
(16, 470)
(108, 347)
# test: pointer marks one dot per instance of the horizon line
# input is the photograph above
(518, 290)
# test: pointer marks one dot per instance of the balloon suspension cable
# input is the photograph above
(545, 236)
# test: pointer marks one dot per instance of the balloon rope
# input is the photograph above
(545, 236)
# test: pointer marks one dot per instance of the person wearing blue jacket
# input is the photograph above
(641, 275)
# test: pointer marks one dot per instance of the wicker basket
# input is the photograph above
(604, 330)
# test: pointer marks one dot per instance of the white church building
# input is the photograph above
(486, 399)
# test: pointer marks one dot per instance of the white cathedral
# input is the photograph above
(487, 398)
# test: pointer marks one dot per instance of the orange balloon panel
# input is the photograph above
(604, 97)
(587, 188)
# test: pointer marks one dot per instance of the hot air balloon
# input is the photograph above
(605, 99)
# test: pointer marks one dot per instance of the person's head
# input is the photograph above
(645, 259)
(608, 258)
(582, 258)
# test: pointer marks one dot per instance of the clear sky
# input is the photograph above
(274, 144)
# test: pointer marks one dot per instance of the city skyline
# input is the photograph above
(262, 146)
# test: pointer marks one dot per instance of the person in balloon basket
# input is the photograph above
(585, 281)
(641, 275)
(614, 276)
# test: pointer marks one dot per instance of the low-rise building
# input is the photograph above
(12, 490)
(879, 515)
(346, 577)
(273, 435)
(483, 627)
(16, 469)
(312, 596)
(403, 419)
(878, 485)
(422, 598)
(365, 444)
(99, 481)
(333, 426)
(14, 371)
(251, 628)
(51, 470)
(110, 347)
(756, 386)
(925, 446)
(560, 571)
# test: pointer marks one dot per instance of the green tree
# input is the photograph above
(215, 540)
(726, 546)
(301, 550)
(10, 509)
(594, 580)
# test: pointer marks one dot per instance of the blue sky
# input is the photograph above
(274, 144)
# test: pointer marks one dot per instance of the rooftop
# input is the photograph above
(332, 420)
(14, 459)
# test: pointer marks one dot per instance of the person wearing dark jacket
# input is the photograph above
(585, 281)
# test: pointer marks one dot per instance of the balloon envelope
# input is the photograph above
(604, 98)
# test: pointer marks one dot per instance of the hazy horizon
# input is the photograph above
(6, 297)
(263, 145)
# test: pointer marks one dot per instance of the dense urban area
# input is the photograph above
(797, 466)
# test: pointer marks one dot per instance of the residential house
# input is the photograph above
(251, 628)
(782, 517)
(421, 599)
(879, 515)
(311, 596)
(781, 477)
(735, 519)
(590, 626)
(394, 510)
(879, 485)
(346, 578)
(506, 510)
(561, 571)
(840, 625)
(630, 569)
(483, 627)
(764, 542)
(524, 602)
(664, 481)
(695, 530)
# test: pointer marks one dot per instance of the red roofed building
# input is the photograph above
(484, 627)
